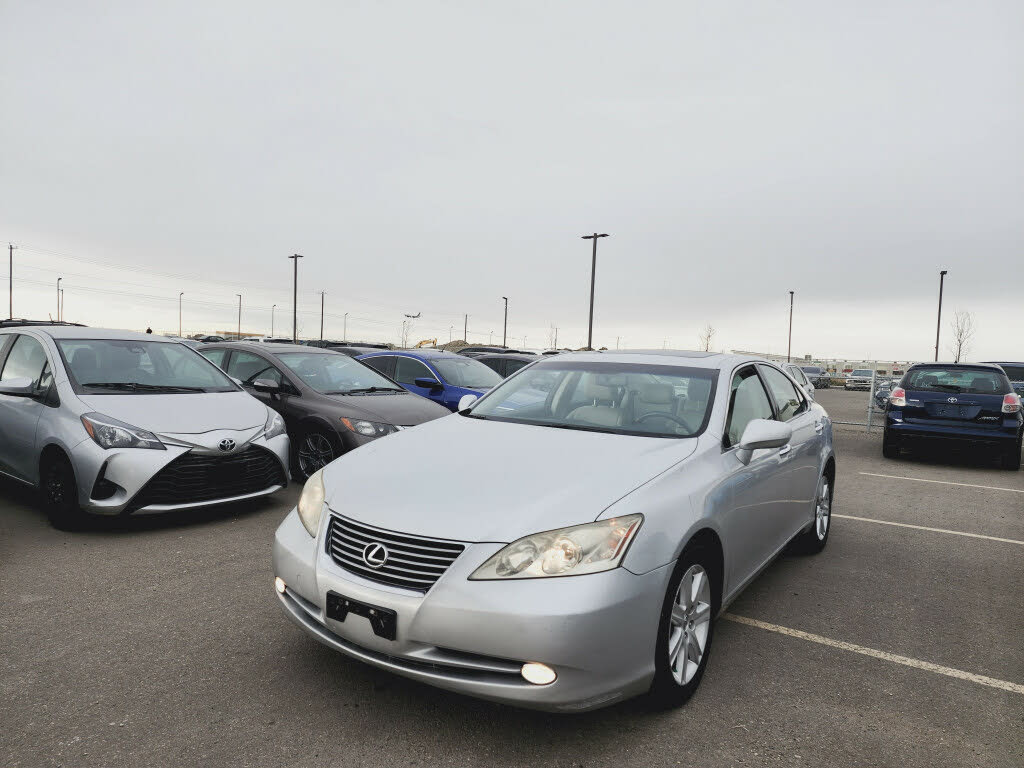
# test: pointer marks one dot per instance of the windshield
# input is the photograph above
(865, 372)
(466, 372)
(966, 380)
(621, 398)
(336, 374)
(116, 366)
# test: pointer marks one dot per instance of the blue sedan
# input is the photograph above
(442, 377)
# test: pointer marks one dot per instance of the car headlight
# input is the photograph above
(111, 433)
(368, 428)
(311, 502)
(274, 425)
(572, 551)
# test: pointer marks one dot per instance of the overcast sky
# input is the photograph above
(433, 157)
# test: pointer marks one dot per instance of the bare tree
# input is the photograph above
(706, 336)
(962, 326)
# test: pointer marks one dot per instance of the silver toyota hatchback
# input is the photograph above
(118, 423)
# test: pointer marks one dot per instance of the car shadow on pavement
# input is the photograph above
(952, 456)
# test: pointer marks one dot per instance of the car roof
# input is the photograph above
(983, 366)
(272, 349)
(1003, 362)
(83, 332)
(526, 356)
(426, 354)
(683, 358)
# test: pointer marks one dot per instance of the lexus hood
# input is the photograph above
(474, 480)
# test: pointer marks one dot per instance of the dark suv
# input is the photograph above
(971, 404)
(1015, 372)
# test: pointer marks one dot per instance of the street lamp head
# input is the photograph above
(591, 237)
(944, 272)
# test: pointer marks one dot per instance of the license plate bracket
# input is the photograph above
(383, 621)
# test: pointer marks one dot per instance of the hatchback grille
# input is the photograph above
(195, 477)
(413, 562)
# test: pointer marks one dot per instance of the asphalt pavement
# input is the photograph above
(161, 642)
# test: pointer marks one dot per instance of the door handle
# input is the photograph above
(785, 449)
(818, 426)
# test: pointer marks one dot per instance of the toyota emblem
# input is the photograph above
(950, 399)
(227, 445)
(375, 555)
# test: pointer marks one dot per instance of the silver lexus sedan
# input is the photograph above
(566, 541)
(118, 423)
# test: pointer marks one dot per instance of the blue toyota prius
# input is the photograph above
(969, 404)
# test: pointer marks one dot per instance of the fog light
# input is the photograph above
(537, 673)
(279, 585)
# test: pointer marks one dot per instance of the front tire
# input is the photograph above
(686, 628)
(313, 450)
(60, 495)
(814, 539)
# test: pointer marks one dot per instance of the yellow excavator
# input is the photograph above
(426, 343)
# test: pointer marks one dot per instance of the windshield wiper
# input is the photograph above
(363, 390)
(134, 386)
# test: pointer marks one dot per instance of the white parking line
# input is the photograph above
(944, 482)
(906, 661)
(926, 528)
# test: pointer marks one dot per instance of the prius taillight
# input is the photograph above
(1011, 403)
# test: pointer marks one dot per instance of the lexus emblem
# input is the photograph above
(375, 555)
(950, 399)
(227, 445)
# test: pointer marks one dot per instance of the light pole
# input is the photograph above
(295, 299)
(451, 328)
(10, 284)
(593, 274)
(239, 336)
(789, 347)
(179, 311)
(58, 298)
(272, 308)
(938, 325)
(344, 328)
(322, 294)
(504, 333)
(465, 328)
(62, 302)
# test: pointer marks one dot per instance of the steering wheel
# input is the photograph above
(668, 416)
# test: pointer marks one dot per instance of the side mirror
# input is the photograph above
(431, 384)
(267, 386)
(762, 433)
(20, 387)
(466, 401)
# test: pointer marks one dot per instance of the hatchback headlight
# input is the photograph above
(572, 551)
(111, 433)
(311, 502)
(368, 428)
(274, 425)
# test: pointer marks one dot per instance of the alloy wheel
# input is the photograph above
(689, 624)
(315, 452)
(823, 510)
(55, 487)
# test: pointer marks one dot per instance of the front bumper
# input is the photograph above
(131, 469)
(596, 631)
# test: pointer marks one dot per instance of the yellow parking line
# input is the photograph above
(906, 661)
(944, 482)
(926, 528)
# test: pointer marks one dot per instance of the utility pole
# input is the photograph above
(504, 333)
(322, 293)
(179, 311)
(239, 337)
(62, 302)
(58, 298)
(490, 338)
(344, 328)
(10, 284)
(295, 299)
(272, 308)
(617, 343)
(593, 275)
(556, 337)
(465, 329)
(789, 348)
(938, 325)
(451, 328)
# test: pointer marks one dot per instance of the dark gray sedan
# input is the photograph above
(331, 403)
